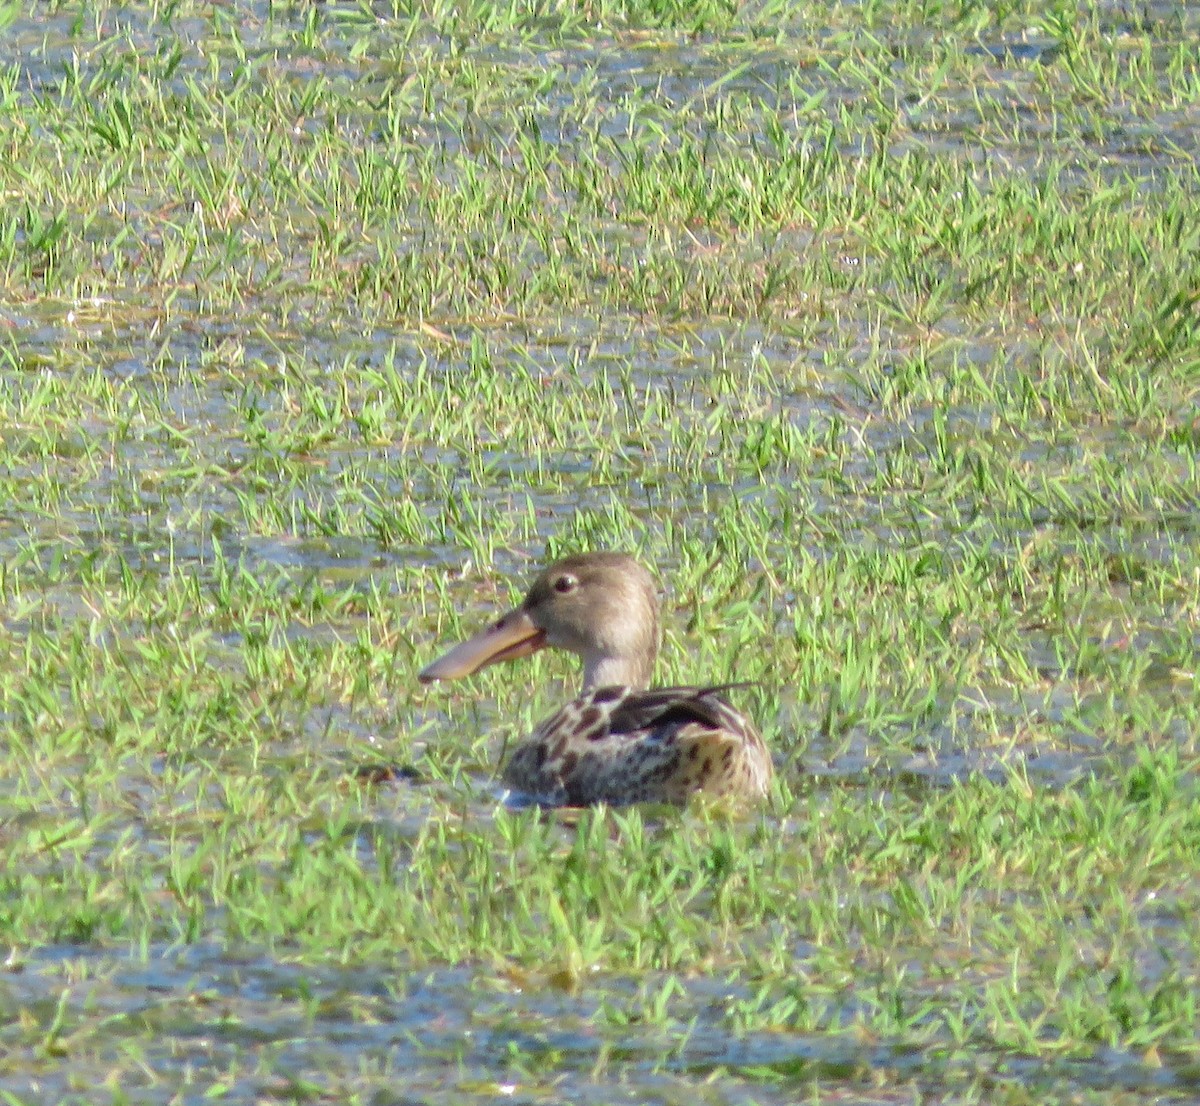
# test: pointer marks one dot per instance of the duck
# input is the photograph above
(618, 742)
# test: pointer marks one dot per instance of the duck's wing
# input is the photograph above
(665, 709)
(616, 745)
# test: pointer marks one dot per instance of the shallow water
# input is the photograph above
(188, 1024)
(203, 1021)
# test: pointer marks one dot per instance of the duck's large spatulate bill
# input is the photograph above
(512, 636)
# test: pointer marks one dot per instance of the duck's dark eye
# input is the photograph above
(564, 584)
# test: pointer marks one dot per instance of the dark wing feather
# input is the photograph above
(671, 707)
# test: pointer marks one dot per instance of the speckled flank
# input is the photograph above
(619, 746)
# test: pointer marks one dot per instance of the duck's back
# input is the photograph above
(616, 745)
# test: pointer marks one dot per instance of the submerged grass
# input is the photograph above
(874, 327)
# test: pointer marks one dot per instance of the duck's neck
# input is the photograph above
(602, 670)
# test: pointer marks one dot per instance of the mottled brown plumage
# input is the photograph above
(616, 742)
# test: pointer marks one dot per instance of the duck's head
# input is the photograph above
(601, 606)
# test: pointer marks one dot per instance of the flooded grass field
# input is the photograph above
(874, 327)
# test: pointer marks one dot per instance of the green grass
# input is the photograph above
(873, 327)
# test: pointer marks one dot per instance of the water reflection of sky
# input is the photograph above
(185, 1022)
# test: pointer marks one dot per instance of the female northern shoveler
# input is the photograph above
(617, 742)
